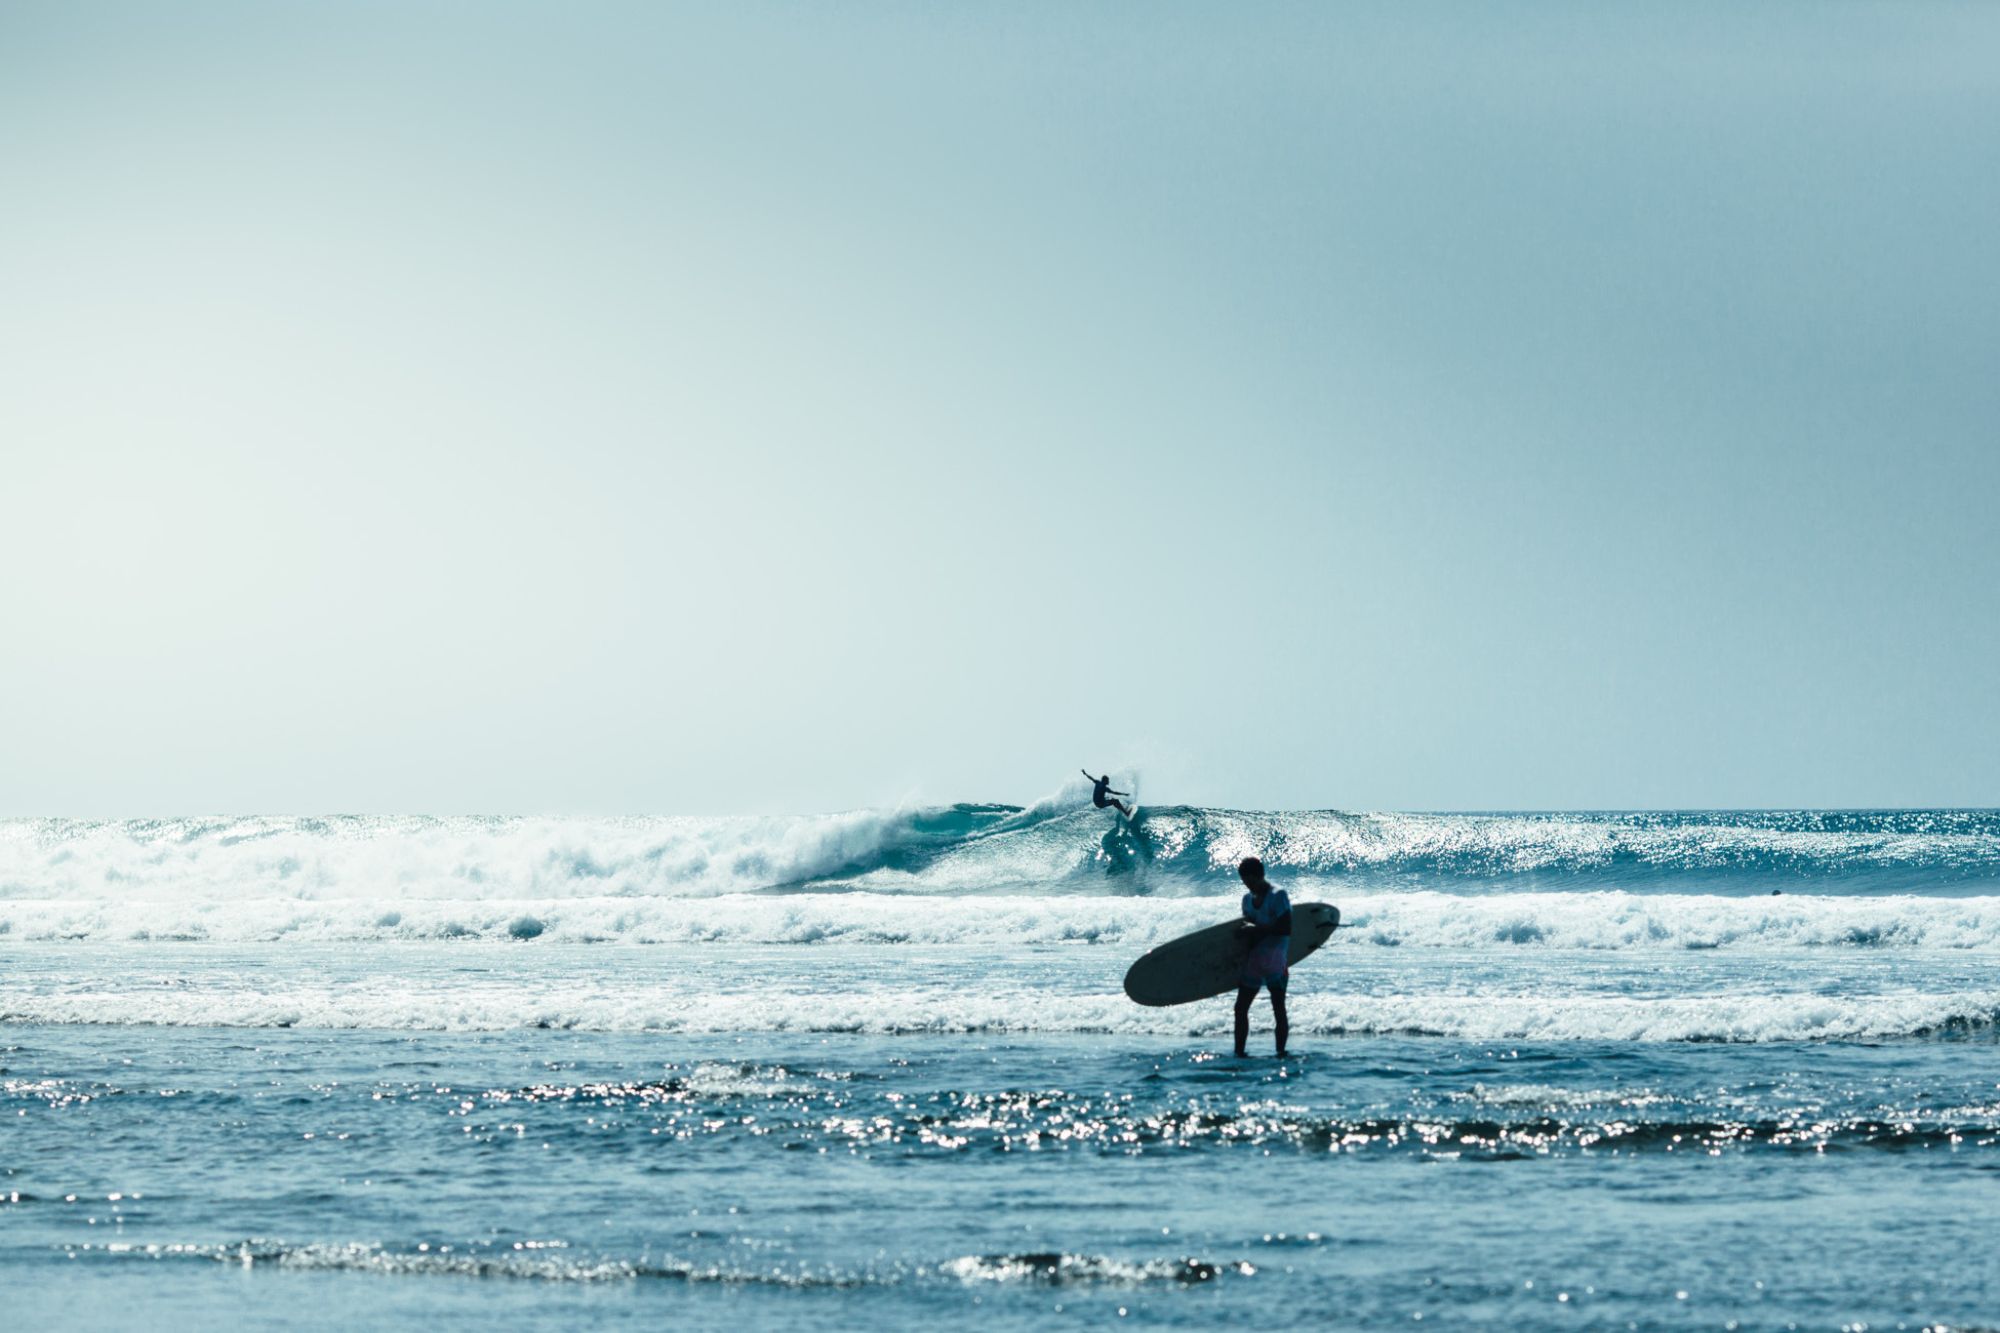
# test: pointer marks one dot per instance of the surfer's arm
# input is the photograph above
(1251, 930)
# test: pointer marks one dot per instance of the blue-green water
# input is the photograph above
(383, 1073)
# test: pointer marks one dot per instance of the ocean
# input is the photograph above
(1564, 1070)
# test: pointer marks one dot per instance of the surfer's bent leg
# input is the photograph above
(1278, 1018)
(1244, 994)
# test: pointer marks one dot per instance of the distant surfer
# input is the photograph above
(1267, 924)
(1101, 794)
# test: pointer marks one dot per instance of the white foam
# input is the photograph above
(469, 858)
(1593, 921)
(1084, 1270)
(1057, 843)
(533, 1260)
(1616, 920)
(1525, 1011)
(1721, 1018)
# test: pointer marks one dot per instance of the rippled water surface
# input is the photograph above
(1554, 1071)
(798, 1177)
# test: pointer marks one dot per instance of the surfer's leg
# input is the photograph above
(1283, 1024)
(1244, 994)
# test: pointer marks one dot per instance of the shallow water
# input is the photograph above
(383, 1101)
(793, 1176)
(802, 1179)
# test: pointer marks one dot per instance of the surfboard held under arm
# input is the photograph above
(1209, 962)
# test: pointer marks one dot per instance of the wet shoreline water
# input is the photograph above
(1563, 1070)
(798, 1178)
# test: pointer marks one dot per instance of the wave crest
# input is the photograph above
(973, 849)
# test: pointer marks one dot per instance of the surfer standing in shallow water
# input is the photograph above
(1267, 924)
(1101, 794)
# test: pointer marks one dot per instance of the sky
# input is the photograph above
(496, 407)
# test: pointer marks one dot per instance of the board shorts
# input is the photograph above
(1269, 961)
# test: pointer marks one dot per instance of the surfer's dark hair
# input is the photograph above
(1250, 866)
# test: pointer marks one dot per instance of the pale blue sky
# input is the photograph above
(604, 407)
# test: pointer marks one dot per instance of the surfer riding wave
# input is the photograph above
(1101, 794)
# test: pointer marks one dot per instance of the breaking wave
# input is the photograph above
(1057, 846)
(1480, 927)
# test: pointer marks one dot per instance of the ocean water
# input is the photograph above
(1559, 1070)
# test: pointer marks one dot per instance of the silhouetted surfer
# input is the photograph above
(1101, 794)
(1267, 924)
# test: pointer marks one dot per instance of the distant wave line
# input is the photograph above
(967, 849)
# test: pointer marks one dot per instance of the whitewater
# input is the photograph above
(1588, 912)
(1059, 843)
(1618, 1069)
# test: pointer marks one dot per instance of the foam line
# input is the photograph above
(449, 1005)
(1605, 921)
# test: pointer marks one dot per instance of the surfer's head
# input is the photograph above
(1250, 870)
